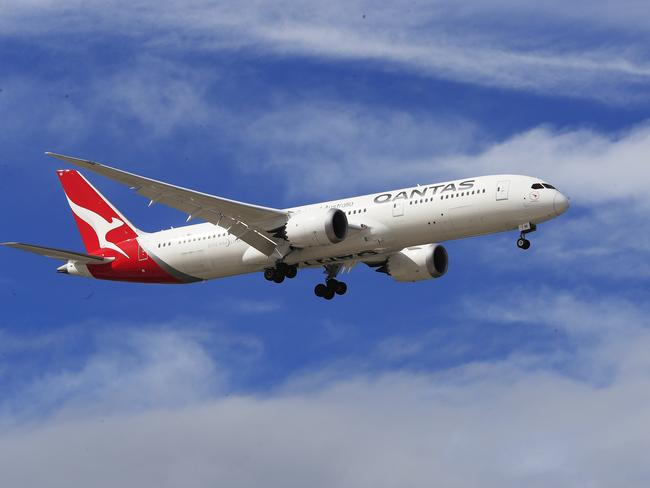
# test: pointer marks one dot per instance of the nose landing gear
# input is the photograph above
(523, 243)
(527, 228)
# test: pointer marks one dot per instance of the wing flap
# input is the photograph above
(61, 254)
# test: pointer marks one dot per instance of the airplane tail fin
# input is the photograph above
(101, 225)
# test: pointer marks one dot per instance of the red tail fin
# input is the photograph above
(102, 226)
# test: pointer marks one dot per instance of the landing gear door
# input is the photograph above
(398, 209)
(503, 188)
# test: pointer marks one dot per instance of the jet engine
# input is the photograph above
(316, 228)
(417, 263)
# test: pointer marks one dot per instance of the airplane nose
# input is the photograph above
(560, 203)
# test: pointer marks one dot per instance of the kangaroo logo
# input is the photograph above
(100, 225)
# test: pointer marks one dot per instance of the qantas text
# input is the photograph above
(424, 191)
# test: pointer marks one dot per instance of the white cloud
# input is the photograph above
(607, 332)
(157, 94)
(509, 422)
(606, 242)
(131, 373)
(128, 368)
(590, 166)
(152, 95)
(477, 42)
(533, 429)
(332, 149)
(250, 307)
(324, 148)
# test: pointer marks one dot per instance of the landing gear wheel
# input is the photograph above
(341, 288)
(320, 290)
(269, 274)
(278, 276)
(523, 243)
(332, 283)
(332, 286)
(291, 271)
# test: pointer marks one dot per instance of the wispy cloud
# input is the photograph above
(321, 148)
(332, 148)
(476, 43)
(120, 367)
(596, 243)
(148, 94)
(503, 422)
(590, 166)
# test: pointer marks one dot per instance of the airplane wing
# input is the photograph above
(61, 254)
(245, 221)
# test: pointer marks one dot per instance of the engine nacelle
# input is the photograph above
(418, 263)
(317, 227)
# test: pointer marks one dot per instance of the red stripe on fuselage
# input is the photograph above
(134, 269)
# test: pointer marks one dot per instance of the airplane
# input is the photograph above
(397, 232)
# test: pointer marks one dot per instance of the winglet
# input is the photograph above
(84, 163)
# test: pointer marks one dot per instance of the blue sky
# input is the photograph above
(514, 368)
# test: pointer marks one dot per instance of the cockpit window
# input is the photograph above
(537, 186)
(550, 187)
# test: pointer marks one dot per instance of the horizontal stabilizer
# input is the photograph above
(61, 254)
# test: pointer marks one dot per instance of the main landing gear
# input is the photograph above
(527, 228)
(326, 290)
(280, 272)
(332, 286)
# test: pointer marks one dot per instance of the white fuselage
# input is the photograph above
(381, 223)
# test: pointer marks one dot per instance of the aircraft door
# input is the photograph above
(398, 209)
(503, 188)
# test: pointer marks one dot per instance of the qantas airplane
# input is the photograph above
(396, 232)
